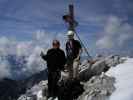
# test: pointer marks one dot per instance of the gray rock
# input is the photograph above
(90, 70)
(102, 65)
(98, 88)
(37, 92)
(98, 67)
(112, 60)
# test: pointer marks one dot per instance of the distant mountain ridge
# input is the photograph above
(12, 89)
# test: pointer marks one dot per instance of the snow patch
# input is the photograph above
(124, 80)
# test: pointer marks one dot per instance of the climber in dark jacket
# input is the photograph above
(56, 60)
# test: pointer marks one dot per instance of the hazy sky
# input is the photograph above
(104, 25)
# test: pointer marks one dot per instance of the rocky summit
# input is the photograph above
(94, 83)
(98, 88)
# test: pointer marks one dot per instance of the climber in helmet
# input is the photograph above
(55, 59)
(73, 51)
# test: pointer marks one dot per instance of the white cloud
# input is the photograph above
(105, 42)
(24, 56)
(35, 63)
(116, 34)
(4, 69)
(24, 48)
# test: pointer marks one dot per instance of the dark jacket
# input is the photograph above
(55, 59)
(72, 48)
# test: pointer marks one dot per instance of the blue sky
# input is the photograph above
(104, 25)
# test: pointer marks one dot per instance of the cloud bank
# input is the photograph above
(117, 34)
(20, 59)
(21, 18)
(104, 26)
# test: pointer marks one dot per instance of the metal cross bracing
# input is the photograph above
(69, 18)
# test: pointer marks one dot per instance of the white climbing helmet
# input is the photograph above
(70, 33)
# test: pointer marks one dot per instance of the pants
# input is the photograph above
(73, 66)
(70, 68)
(53, 78)
(76, 68)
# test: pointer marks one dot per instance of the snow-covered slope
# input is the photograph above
(124, 80)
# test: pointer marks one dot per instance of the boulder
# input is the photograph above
(37, 92)
(98, 67)
(86, 70)
(112, 60)
(98, 88)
